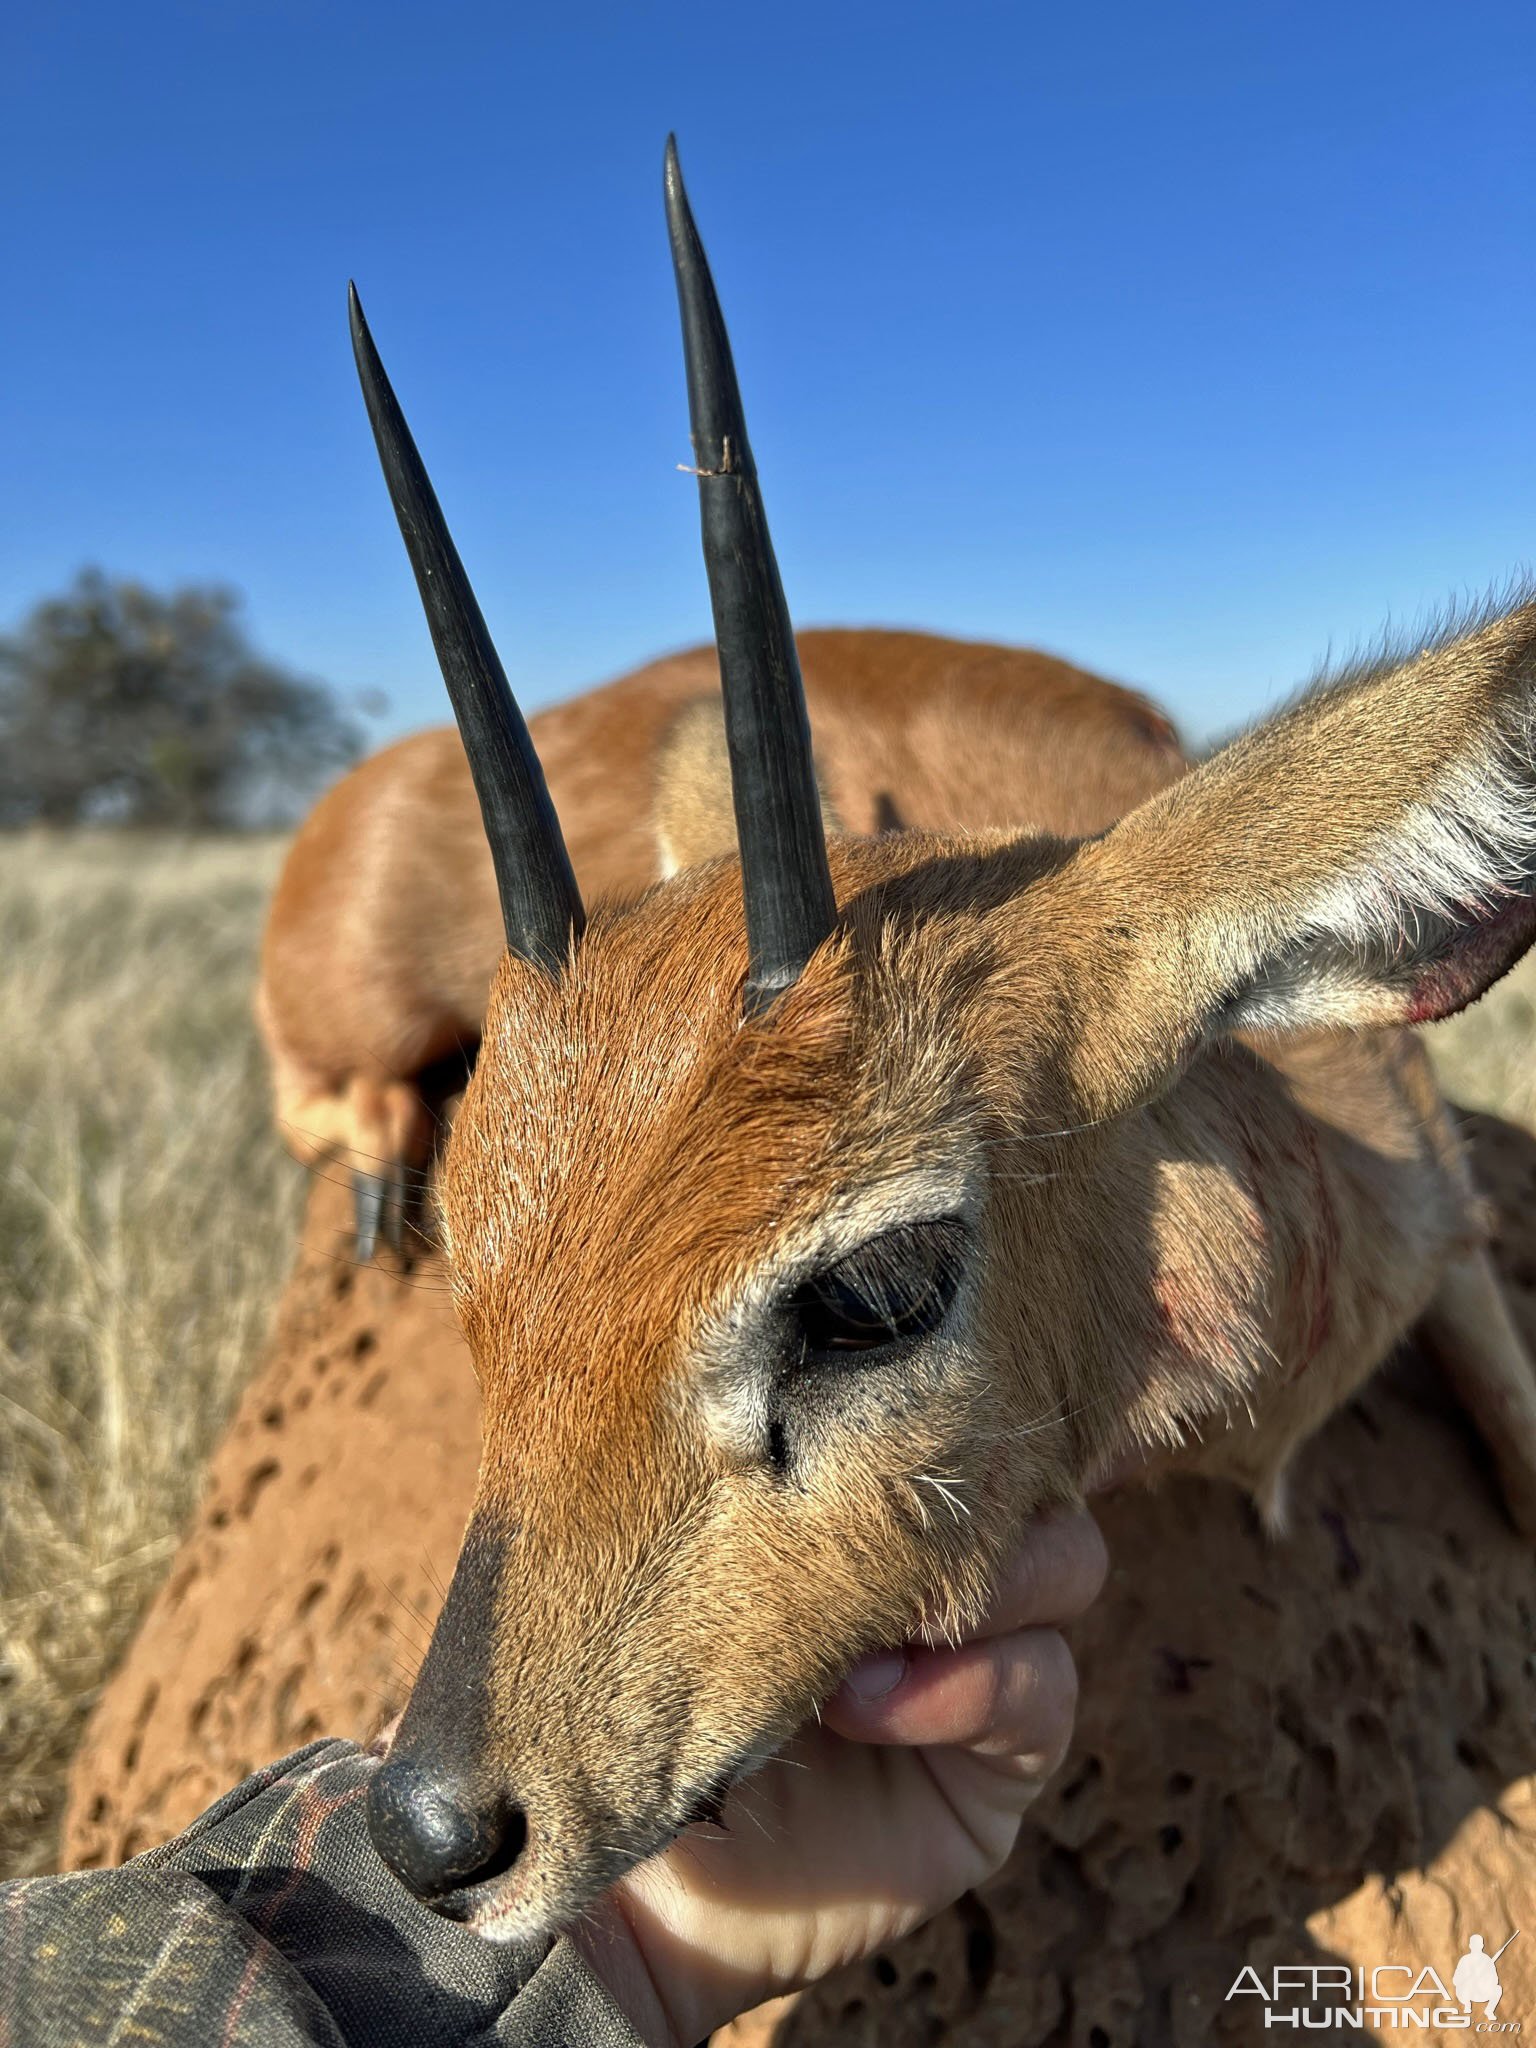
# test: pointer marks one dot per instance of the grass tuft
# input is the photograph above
(147, 1218)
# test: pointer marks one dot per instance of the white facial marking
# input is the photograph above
(730, 1389)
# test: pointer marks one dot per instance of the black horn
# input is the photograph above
(540, 903)
(786, 883)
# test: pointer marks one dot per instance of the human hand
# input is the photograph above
(909, 1791)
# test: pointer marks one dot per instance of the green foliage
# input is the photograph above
(118, 705)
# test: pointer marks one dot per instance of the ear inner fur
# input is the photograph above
(1366, 859)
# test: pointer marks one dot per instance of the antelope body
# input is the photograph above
(385, 929)
(804, 1255)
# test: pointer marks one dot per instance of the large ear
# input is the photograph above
(693, 817)
(1367, 858)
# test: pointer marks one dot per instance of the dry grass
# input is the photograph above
(147, 1218)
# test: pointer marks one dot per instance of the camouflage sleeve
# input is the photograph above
(272, 1922)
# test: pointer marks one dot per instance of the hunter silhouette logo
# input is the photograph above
(1476, 1977)
(1317, 1996)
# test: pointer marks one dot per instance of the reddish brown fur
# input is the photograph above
(1180, 1245)
(385, 931)
(1336, 1730)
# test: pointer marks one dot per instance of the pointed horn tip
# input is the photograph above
(679, 212)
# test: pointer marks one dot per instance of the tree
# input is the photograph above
(120, 705)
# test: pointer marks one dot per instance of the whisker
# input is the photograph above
(311, 1249)
(946, 1490)
(390, 1164)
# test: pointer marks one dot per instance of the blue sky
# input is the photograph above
(1184, 340)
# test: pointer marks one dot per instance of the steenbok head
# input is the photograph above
(804, 1253)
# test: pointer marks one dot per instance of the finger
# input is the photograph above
(1004, 1696)
(1055, 1575)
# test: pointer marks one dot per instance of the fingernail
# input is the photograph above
(877, 1676)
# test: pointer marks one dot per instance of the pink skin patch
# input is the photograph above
(1310, 1226)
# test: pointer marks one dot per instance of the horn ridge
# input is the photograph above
(541, 906)
(786, 882)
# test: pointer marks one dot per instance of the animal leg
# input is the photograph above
(380, 1131)
(390, 1136)
(1472, 1335)
(373, 1207)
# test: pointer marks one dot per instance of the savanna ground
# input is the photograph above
(147, 1219)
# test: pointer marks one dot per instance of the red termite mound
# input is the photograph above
(1311, 1752)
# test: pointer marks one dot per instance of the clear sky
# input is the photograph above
(1182, 339)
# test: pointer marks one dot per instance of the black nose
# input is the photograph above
(433, 1836)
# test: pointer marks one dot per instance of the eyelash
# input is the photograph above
(898, 1286)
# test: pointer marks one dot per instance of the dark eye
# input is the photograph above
(898, 1285)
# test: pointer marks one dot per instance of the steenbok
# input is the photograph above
(822, 1211)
